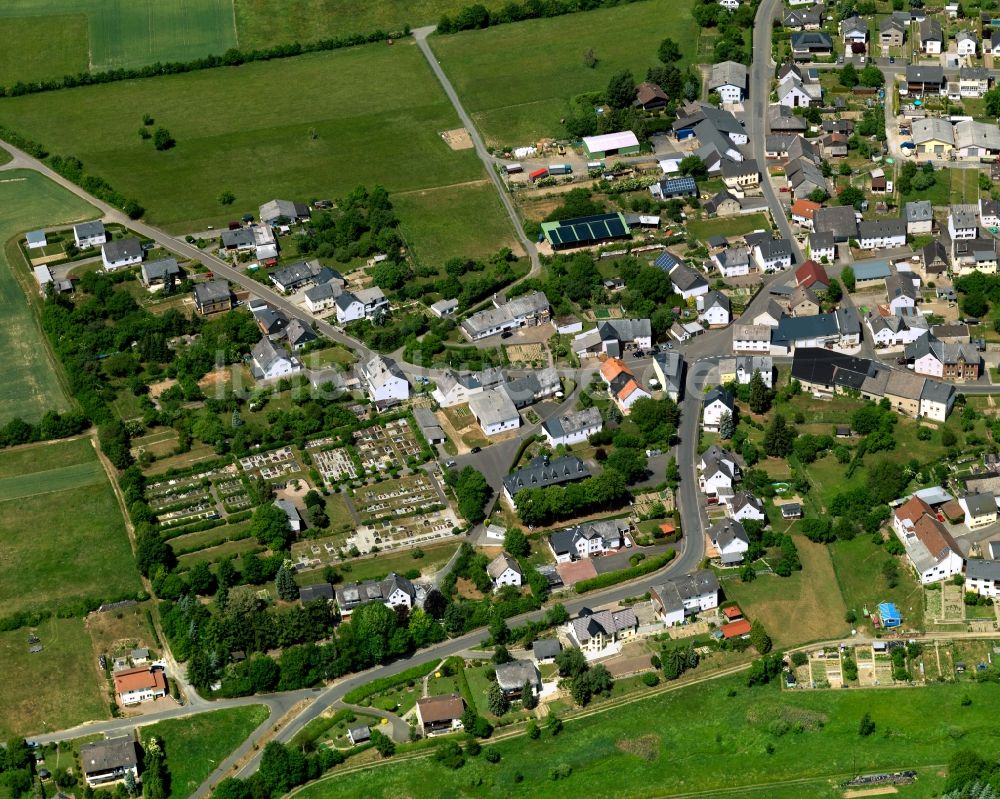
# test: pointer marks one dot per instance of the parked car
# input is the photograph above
(506, 334)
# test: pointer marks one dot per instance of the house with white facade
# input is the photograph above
(121, 253)
(675, 599)
(504, 570)
(966, 43)
(271, 361)
(936, 400)
(393, 592)
(980, 510)
(89, 234)
(919, 216)
(715, 309)
(730, 540)
(881, 234)
(743, 505)
(983, 577)
(141, 684)
(495, 412)
(573, 427)
(901, 292)
(751, 339)
(596, 631)
(963, 222)
(669, 370)
(929, 546)
(361, 304)
(717, 402)
(588, 540)
(718, 472)
(452, 388)
(733, 262)
(773, 255)
(384, 381)
(729, 80)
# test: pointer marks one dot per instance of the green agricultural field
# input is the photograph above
(366, 115)
(81, 550)
(51, 38)
(517, 79)
(668, 741)
(194, 746)
(30, 386)
(49, 690)
(454, 221)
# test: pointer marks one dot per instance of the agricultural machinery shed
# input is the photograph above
(585, 230)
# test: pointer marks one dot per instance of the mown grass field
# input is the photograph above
(52, 689)
(669, 745)
(466, 221)
(62, 538)
(367, 115)
(516, 80)
(30, 386)
(194, 746)
(51, 38)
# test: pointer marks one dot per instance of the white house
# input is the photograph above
(751, 339)
(729, 80)
(967, 43)
(393, 592)
(141, 684)
(715, 309)
(594, 632)
(109, 760)
(686, 595)
(989, 212)
(687, 282)
(573, 427)
(773, 254)
(89, 234)
(495, 411)
(980, 510)
(36, 240)
(901, 292)
(791, 94)
(730, 541)
(730, 5)
(936, 400)
(929, 546)
(385, 382)
(361, 304)
(919, 216)
(733, 262)
(451, 388)
(504, 570)
(717, 402)
(983, 577)
(120, 253)
(271, 361)
(963, 222)
(718, 472)
(743, 505)
(588, 539)
(882, 234)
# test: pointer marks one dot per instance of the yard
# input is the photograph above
(49, 690)
(379, 566)
(378, 122)
(602, 756)
(30, 385)
(194, 746)
(703, 229)
(80, 551)
(52, 38)
(517, 91)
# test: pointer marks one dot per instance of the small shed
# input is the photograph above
(36, 239)
(889, 614)
(359, 735)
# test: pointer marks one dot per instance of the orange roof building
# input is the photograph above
(806, 209)
(733, 613)
(909, 513)
(736, 630)
(140, 685)
(613, 367)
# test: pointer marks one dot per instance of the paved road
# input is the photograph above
(420, 36)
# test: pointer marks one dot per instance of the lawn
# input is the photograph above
(194, 746)
(939, 193)
(53, 38)
(858, 564)
(806, 606)
(52, 689)
(30, 386)
(622, 753)
(517, 88)
(80, 550)
(378, 122)
(702, 229)
(466, 221)
(964, 185)
(399, 562)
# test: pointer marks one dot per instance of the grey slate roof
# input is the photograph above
(978, 569)
(513, 675)
(919, 211)
(728, 73)
(542, 472)
(120, 249)
(157, 270)
(86, 230)
(108, 755)
(571, 422)
(211, 292)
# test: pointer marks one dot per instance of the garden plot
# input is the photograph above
(953, 603)
(645, 502)
(333, 464)
(272, 465)
(933, 603)
(383, 446)
(865, 659)
(883, 670)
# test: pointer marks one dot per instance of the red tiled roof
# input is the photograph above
(736, 629)
(613, 367)
(913, 509)
(139, 679)
(935, 536)
(811, 272)
(805, 208)
(732, 612)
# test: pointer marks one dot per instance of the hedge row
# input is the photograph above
(385, 683)
(613, 578)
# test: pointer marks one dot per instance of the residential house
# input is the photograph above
(792, 94)
(270, 320)
(966, 43)
(891, 32)
(443, 308)
(951, 333)
(282, 212)
(821, 330)
(316, 592)
(733, 262)
(157, 274)
(588, 540)
(751, 338)
(980, 510)
(669, 370)
(803, 212)
(812, 275)
(393, 592)
(541, 472)
(804, 177)
(612, 336)
(743, 505)
(623, 385)
(294, 276)
(271, 361)
(932, 550)
(440, 714)
(650, 97)
(360, 304)
(974, 255)
(110, 760)
(834, 145)
(934, 260)
(730, 540)
(572, 427)
(384, 381)
(742, 369)
(919, 216)
(936, 400)
(808, 44)
(770, 316)
(718, 472)
(773, 255)
(901, 292)
(265, 245)
(717, 402)
(238, 240)
(514, 675)
(803, 19)
(298, 334)
(895, 331)
(933, 136)
(212, 296)
(687, 282)
(881, 234)
(840, 221)
(803, 302)
(958, 362)
(36, 240)
(870, 274)
(323, 296)
(494, 411)
(545, 650)
(722, 204)
(781, 119)
(982, 577)
(528, 309)
(359, 734)
(903, 389)
(854, 31)
(673, 188)
(451, 388)
(687, 595)
(504, 570)
(821, 246)
(930, 36)
(595, 631)
(989, 212)
(729, 81)
(89, 234)
(141, 684)
(973, 81)
(715, 309)
(993, 46)
(741, 177)
(120, 253)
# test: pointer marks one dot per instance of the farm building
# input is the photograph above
(584, 231)
(622, 143)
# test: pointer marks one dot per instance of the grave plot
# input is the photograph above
(401, 513)
(383, 446)
(276, 464)
(333, 463)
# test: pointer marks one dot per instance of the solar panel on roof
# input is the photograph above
(616, 227)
